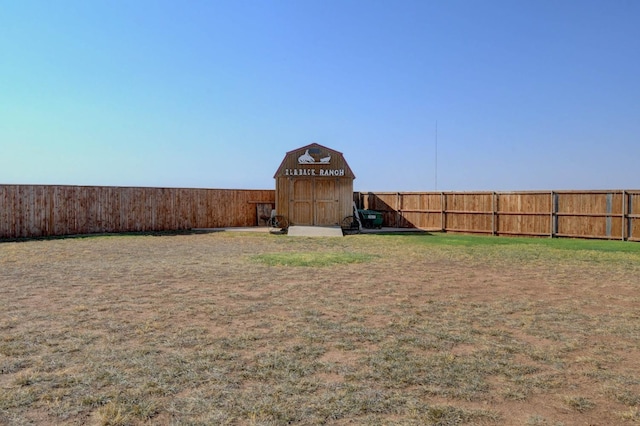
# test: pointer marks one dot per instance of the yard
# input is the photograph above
(259, 329)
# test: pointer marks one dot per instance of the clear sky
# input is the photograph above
(526, 94)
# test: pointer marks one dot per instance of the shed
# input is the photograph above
(314, 186)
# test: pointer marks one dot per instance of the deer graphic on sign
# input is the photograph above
(307, 158)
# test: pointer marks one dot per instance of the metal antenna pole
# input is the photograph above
(436, 173)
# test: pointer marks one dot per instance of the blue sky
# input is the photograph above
(526, 94)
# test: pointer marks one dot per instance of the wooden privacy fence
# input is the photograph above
(583, 214)
(28, 211)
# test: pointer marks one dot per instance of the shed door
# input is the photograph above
(314, 202)
(301, 203)
(326, 205)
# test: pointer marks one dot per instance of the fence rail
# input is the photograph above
(611, 214)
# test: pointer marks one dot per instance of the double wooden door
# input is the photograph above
(314, 201)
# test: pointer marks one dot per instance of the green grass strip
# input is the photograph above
(479, 241)
(312, 259)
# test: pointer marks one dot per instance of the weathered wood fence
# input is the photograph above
(583, 214)
(28, 211)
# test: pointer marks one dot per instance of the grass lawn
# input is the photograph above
(259, 329)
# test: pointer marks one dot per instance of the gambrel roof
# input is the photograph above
(321, 160)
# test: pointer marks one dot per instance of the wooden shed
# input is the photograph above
(314, 186)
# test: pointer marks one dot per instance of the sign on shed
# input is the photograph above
(314, 186)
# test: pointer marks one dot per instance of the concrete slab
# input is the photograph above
(386, 230)
(314, 231)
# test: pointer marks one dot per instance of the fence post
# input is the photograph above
(554, 217)
(629, 216)
(494, 203)
(624, 215)
(398, 208)
(443, 215)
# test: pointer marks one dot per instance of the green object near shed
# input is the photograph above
(370, 218)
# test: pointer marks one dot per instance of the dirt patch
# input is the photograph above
(192, 329)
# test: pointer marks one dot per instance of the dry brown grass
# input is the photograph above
(229, 328)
